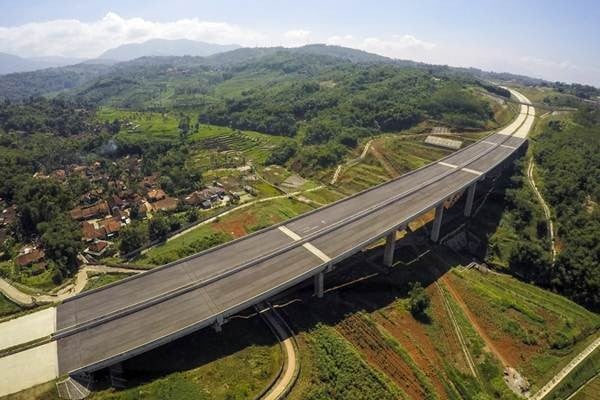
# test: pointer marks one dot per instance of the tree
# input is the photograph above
(61, 239)
(192, 215)
(418, 300)
(184, 127)
(159, 227)
(38, 201)
(530, 260)
(133, 237)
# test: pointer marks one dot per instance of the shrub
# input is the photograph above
(419, 300)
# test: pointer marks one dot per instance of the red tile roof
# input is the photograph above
(33, 256)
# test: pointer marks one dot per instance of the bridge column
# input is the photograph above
(218, 325)
(437, 223)
(470, 197)
(319, 284)
(390, 246)
(117, 379)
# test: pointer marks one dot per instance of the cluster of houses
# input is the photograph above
(103, 211)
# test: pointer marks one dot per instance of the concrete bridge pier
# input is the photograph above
(470, 198)
(319, 284)
(117, 378)
(390, 247)
(437, 223)
(218, 325)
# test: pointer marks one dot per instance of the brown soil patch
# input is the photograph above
(412, 336)
(510, 352)
(376, 151)
(368, 340)
(236, 227)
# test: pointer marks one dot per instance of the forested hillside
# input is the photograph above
(568, 152)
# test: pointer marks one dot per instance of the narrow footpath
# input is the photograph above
(544, 391)
(547, 213)
(240, 207)
(81, 279)
(286, 379)
(338, 170)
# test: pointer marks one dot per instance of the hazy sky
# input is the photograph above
(556, 40)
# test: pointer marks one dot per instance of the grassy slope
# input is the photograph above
(7, 307)
(233, 225)
(545, 330)
(99, 280)
(425, 359)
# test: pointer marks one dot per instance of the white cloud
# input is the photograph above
(557, 70)
(296, 37)
(396, 46)
(74, 38)
(88, 39)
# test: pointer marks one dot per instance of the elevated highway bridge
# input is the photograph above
(104, 326)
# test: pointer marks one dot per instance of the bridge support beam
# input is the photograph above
(390, 247)
(218, 325)
(437, 223)
(470, 198)
(319, 284)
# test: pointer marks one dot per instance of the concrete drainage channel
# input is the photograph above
(288, 373)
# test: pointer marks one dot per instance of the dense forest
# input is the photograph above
(569, 155)
(566, 153)
(61, 117)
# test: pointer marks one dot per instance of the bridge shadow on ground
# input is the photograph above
(364, 284)
(192, 351)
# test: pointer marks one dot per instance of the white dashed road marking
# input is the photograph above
(295, 237)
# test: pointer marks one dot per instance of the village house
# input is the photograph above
(29, 255)
(102, 229)
(99, 209)
(205, 197)
(98, 248)
(156, 195)
(166, 204)
(8, 215)
(150, 181)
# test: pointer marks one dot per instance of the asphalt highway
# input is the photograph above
(118, 321)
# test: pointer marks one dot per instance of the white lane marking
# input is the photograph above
(324, 257)
(447, 164)
(507, 146)
(472, 171)
(488, 142)
(295, 237)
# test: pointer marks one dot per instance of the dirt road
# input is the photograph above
(81, 279)
(544, 391)
(281, 387)
(545, 207)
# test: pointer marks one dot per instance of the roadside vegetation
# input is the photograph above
(7, 307)
(99, 280)
(583, 375)
(565, 150)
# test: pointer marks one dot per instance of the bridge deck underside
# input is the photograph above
(196, 308)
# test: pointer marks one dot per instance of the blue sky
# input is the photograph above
(556, 40)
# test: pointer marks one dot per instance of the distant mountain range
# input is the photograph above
(96, 78)
(10, 63)
(163, 47)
